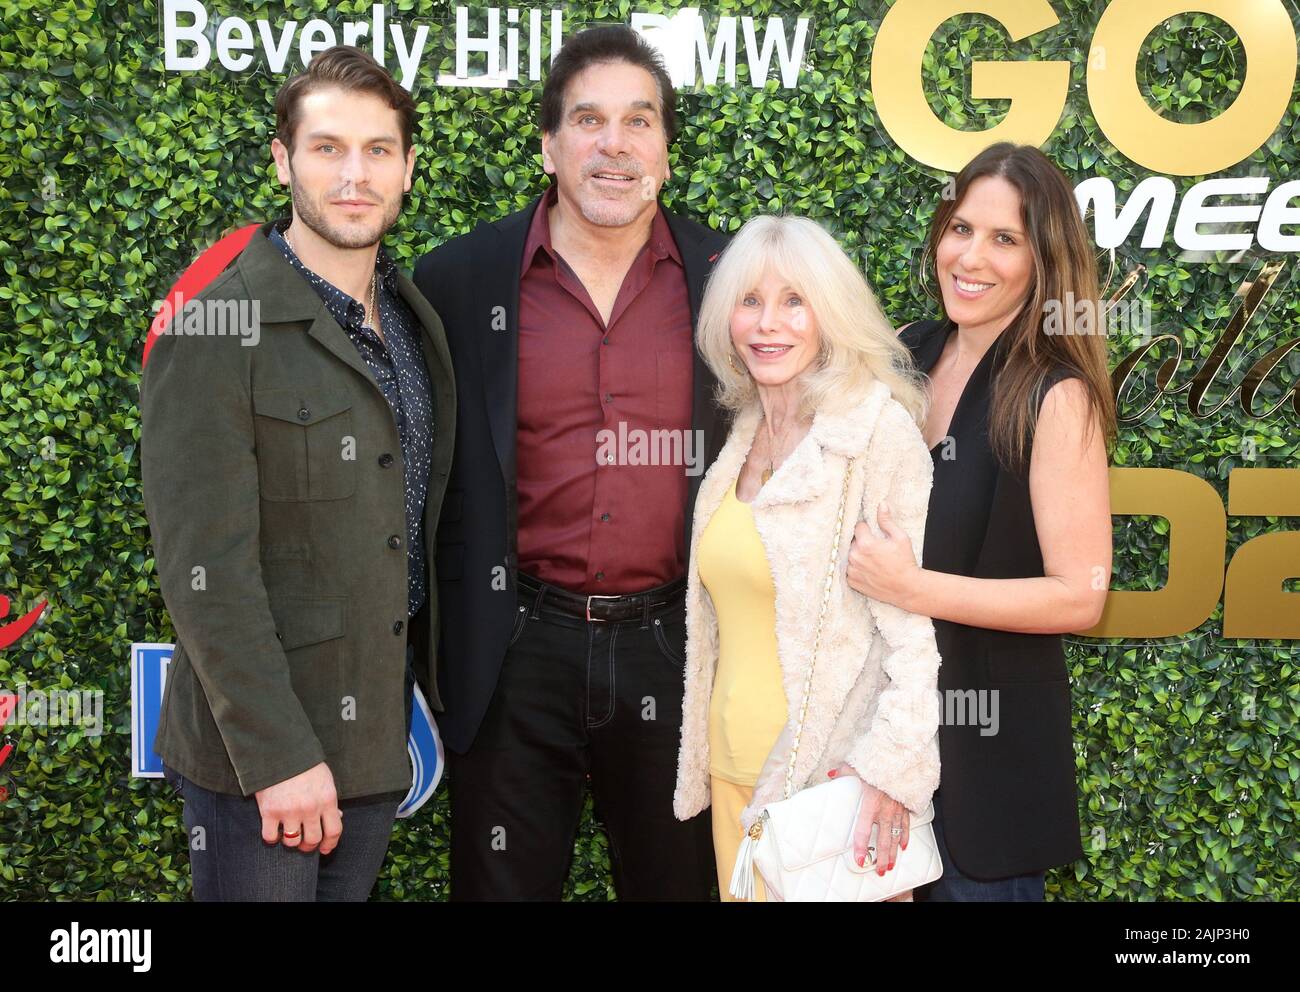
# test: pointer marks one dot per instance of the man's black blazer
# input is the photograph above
(473, 283)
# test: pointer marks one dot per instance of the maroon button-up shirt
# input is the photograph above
(599, 510)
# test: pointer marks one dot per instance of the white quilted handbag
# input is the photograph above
(802, 845)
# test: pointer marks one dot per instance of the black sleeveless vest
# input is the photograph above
(1009, 799)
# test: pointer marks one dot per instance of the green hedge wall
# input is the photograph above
(116, 174)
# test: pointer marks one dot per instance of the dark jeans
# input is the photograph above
(578, 701)
(229, 861)
(956, 887)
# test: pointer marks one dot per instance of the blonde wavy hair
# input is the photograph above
(857, 344)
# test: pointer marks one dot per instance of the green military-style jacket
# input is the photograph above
(273, 485)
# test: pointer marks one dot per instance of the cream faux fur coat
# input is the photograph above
(873, 702)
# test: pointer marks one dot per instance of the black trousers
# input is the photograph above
(579, 701)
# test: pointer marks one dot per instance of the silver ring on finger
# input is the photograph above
(895, 831)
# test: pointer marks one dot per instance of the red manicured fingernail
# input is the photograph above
(904, 845)
(862, 861)
(831, 773)
(891, 866)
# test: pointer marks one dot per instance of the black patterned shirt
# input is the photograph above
(397, 363)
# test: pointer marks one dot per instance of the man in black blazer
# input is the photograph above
(585, 421)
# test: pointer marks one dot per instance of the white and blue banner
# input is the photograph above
(149, 665)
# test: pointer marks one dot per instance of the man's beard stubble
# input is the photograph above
(306, 210)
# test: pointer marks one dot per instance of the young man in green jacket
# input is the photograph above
(292, 481)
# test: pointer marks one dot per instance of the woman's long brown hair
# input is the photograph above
(1064, 266)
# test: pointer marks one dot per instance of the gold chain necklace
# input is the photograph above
(374, 305)
(771, 461)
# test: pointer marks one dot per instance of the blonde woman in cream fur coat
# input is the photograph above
(815, 376)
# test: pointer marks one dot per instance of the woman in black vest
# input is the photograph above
(1018, 540)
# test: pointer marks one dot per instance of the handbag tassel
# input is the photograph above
(742, 876)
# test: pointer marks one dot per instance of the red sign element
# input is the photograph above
(202, 271)
(10, 632)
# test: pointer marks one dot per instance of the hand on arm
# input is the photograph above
(1069, 488)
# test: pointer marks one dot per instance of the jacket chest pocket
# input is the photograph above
(306, 449)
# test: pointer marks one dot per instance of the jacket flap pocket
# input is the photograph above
(303, 620)
(300, 406)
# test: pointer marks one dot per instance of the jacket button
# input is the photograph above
(278, 636)
(394, 541)
(397, 627)
(385, 460)
(304, 414)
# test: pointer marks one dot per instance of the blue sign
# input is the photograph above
(149, 666)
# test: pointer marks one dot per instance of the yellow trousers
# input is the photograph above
(728, 800)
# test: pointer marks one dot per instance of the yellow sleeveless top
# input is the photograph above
(747, 705)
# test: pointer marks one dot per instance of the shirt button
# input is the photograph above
(600, 576)
(385, 460)
(609, 458)
(304, 414)
(604, 518)
(395, 541)
(604, 341)
(397, 627)
(609, 397)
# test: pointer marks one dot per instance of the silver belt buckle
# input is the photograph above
(590, 618)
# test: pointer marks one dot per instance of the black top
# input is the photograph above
(1009, 800)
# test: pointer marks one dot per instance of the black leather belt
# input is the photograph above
(601, 609)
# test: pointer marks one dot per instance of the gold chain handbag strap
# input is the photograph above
(821, 619)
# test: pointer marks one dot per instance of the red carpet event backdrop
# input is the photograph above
(135, 135)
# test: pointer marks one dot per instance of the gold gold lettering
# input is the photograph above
(1254, 603)
(1037, 89)
(1198, 530)
(1268, 42)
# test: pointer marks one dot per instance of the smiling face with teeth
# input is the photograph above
(609, 155)
(774, 330)
(984, 262)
